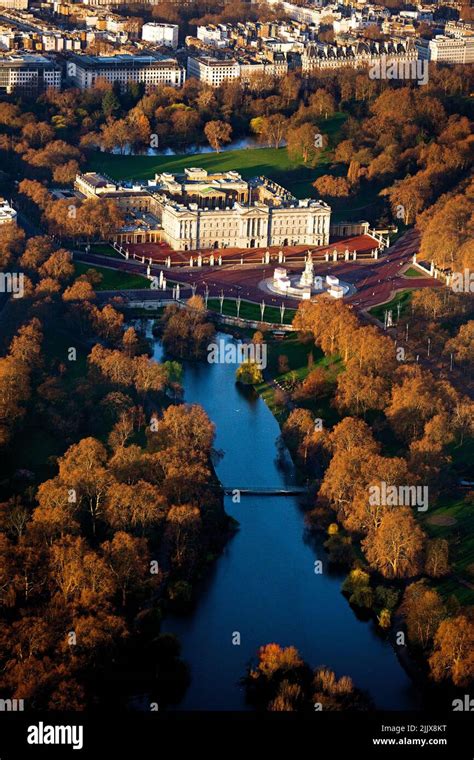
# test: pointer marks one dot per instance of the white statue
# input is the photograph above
(306, 279)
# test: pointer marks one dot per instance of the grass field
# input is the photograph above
(113, 280)
(102, 249)
(403, 297)
(273, 163)
(412, 272)
(460, 535)
(250, 162)
(251, 311)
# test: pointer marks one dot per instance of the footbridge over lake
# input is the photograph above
(265, 491)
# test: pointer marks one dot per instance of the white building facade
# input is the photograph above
(28, 73)
(85, 70)
(447, 49)
(257, 226)
(162, 34)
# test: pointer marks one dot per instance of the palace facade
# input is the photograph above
(197, 210)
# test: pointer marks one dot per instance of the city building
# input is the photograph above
(320, 55)
(20, 5)
(447, 49)
(161, 34)
(458, 29)
(151, 70)
(215, 71)
(28, 73)
(213, 35)
(198, 210)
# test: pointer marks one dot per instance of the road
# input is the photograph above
(376, 281)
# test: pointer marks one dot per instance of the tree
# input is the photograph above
(127, 558)
(462, 345)
(423, 610)
(183, 533)
(395, 547)
(187, 428)
(273, 659)
(58, 266)
(140, 506)
(217, 133)
(409, 196)
(37, 250)
(148, 375)
(130, 342)
(79, 573)
(357, 587)
(437, 558)
(344, 151)
(108, 323)
(110, 103)
(186, 332)
(25, 347)
(313, 386)
(359, 390)
(14, 391)
(55, 515)
(116, 134)
(273, 129)
(333, 187)
(249, 373)
(331, 323)
(453, 655)
(302, 144)
(447, 231)
(299, 432)
(322, 103)
(11, 242)
(80, 290)
(66, 173)
(414, 400)
(83, 469)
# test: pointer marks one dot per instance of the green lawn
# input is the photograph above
(412, 272)
(461, 546)
(250, 162)
(113, 280)
(403, 297)
(102, 249)
(355, 207)
(251, 311)
(273, 163)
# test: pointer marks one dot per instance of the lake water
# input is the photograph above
(264, 586)
(191, 150)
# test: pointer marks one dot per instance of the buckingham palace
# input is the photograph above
(198, 210)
